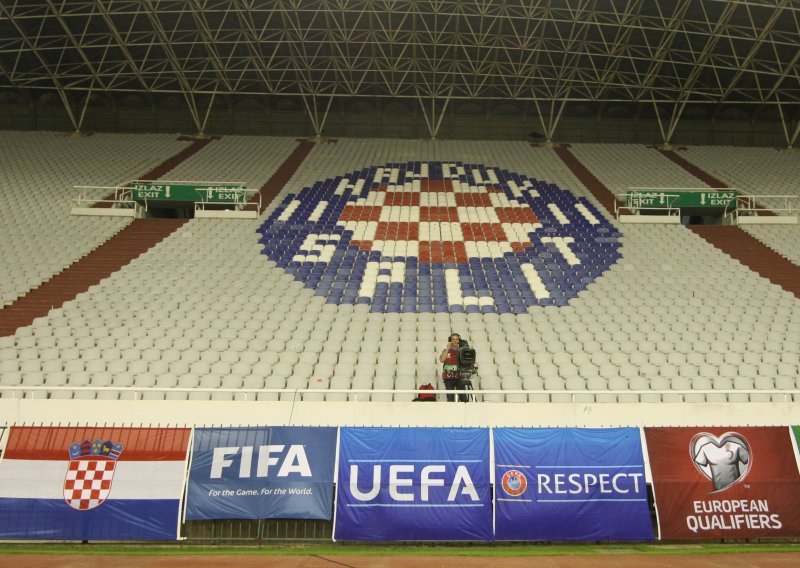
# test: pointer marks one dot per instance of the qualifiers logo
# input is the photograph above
(514, 483)
(440, 237)
(725, 461)
(90, 472)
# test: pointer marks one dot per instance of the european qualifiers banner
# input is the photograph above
(262, 473)
(423, 484)
(64, 483)
(570, 484)
(712, 483)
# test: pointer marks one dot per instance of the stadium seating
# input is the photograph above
(762, 172)
(38, 237)
(205, 315)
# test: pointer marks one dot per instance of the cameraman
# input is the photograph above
(451, 374)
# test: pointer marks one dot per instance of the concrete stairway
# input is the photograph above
(752, 253)
(587, 178)
(119, 250)
(275, 184)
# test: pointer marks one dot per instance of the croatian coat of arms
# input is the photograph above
(90, 473)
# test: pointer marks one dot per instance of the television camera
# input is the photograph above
(466, 365)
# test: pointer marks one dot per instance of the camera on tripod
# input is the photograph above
(466, 364)
(466, 355)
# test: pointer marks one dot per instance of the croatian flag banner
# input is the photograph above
(92, 483)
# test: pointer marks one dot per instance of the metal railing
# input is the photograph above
(91, 195)
(245, 200)
(254, 531)
(352, 394)
(633, 202)
(755, 205)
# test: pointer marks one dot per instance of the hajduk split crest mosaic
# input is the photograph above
(440, 237)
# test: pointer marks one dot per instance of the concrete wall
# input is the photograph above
(285, 413)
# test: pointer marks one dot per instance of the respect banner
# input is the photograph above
(92, 483)
(724, 482)
(413, 484)
(262, 473)
(570, 484)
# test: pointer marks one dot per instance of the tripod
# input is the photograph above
(466, 384)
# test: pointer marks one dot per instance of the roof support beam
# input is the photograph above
(205, 34)
(433, 118)
(674, 118)
(317, 121)
(790, 139)
(186, 89)
(76, 44)
(256, 57)
(791, 68)
(756, 47)
(104, 14)
(553, 117)
(29, 44)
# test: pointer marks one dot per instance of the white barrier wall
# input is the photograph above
(313, 413)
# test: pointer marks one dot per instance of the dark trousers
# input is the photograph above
(455, 384)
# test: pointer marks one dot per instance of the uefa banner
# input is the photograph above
(422, 484)
(262, 473)
(724, 482)
(69, 483)
(570, 484)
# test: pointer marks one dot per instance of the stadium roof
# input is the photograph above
(550, 52)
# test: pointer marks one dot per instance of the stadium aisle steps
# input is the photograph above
(699, 173)
(116, 252)
(751, 252)
(702, 175)
(275, 184)
(587, 178)
(109, 257)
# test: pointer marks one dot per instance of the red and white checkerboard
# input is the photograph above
(439, 222)
(88, 482)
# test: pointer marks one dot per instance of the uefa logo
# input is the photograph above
(514, 483)
(440, 237)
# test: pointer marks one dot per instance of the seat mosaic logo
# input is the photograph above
(724, 461)
(440, 237)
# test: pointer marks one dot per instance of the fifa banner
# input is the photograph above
(724, 482)
(92, 483)
(262, 473)
(570, 484)
(413, 484)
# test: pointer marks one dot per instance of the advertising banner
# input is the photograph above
(92, 483)
(413, 484)
(262, 473)
(570, 484)
(724, 482)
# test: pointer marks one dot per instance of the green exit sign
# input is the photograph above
(222, 192)
(677, 199)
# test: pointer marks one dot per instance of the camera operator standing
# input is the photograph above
(451, 374)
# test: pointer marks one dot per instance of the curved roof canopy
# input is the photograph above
(546, 51)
